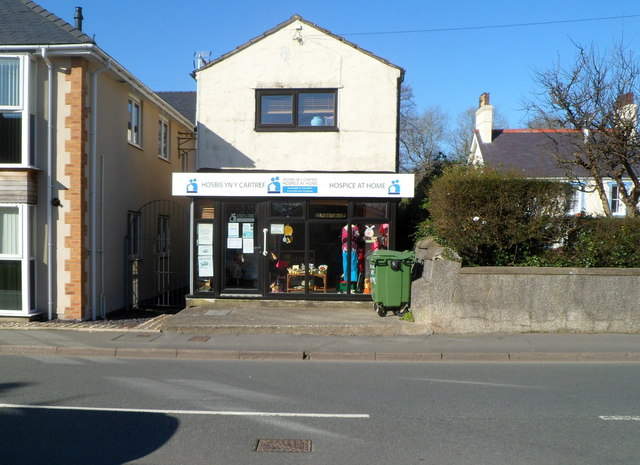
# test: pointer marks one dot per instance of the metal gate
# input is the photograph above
(157, 256)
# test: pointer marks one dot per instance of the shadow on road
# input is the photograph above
(34, 437)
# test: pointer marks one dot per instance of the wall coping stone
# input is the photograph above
(534, 270)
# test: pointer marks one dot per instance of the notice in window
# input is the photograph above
(205, 234)
(247, 230)
(205, 267)
(234, 243)
(247, 246)
(205, 250)
(233, 230)
(277, 229)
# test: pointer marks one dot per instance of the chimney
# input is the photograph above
(484, 119)
(78, 17)
(627, 109)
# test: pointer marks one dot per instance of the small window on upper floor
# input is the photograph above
(163, 139)
(134, 128)
(296, 110)
(10, 82)
(11, 111)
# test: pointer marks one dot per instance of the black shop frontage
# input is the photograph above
(286, 235)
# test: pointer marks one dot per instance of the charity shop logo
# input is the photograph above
(192, 187)
(274, 187)
(394, 188)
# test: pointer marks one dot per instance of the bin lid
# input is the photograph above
(394, 254)
(382, 256)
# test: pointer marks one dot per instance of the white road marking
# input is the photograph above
(476, 383)
(620, 418)
(188, 412)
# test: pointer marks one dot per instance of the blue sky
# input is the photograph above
(156, 40)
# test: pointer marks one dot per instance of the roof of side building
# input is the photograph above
(532, 152)
(184, 102)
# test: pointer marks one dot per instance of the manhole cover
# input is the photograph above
(284, 445)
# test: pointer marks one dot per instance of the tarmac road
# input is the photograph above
(111, 410)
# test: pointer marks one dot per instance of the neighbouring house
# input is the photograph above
(534, 153)
(87, 221)
(297, 178)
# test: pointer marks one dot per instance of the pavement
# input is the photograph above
(304, 331)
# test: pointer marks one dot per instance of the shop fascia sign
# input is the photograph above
(385, 185)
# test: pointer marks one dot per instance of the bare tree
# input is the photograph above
(595, 96)
(544, 121)
(422, 135)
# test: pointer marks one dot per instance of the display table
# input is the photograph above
(312, 275)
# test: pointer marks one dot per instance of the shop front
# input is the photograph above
(289, 235)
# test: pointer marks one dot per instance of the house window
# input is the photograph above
(10, 137)
(10, 82)
(296, 109)
(618, 207)
(578, 200)
(163, 139)
(13, 117)
(134, 128)
(614, 200)
(16, 261)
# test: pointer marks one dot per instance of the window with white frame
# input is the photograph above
(16, 148)
(578, 204)
(134, 128)
(16, 261)
(614, 200)
(617, 206)
(163, 139)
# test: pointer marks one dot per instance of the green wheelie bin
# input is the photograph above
(391, 281)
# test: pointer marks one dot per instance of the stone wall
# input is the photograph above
(455, 300)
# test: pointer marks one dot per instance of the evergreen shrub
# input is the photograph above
(493, 218)
(601, 242)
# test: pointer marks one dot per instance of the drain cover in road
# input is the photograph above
(284, 445)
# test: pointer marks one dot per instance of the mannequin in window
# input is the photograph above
(350, 258)
(376, 238)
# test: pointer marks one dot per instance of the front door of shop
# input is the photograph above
(242, 249)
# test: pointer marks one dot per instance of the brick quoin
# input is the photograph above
(75, 196)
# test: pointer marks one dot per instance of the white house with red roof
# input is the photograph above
(534, 153)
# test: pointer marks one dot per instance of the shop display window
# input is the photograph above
(328, 209)
(311, 247)
(370, 210)
(287, 209)
(204, 240)
(287, 263)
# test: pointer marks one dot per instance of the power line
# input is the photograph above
(496, 26)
